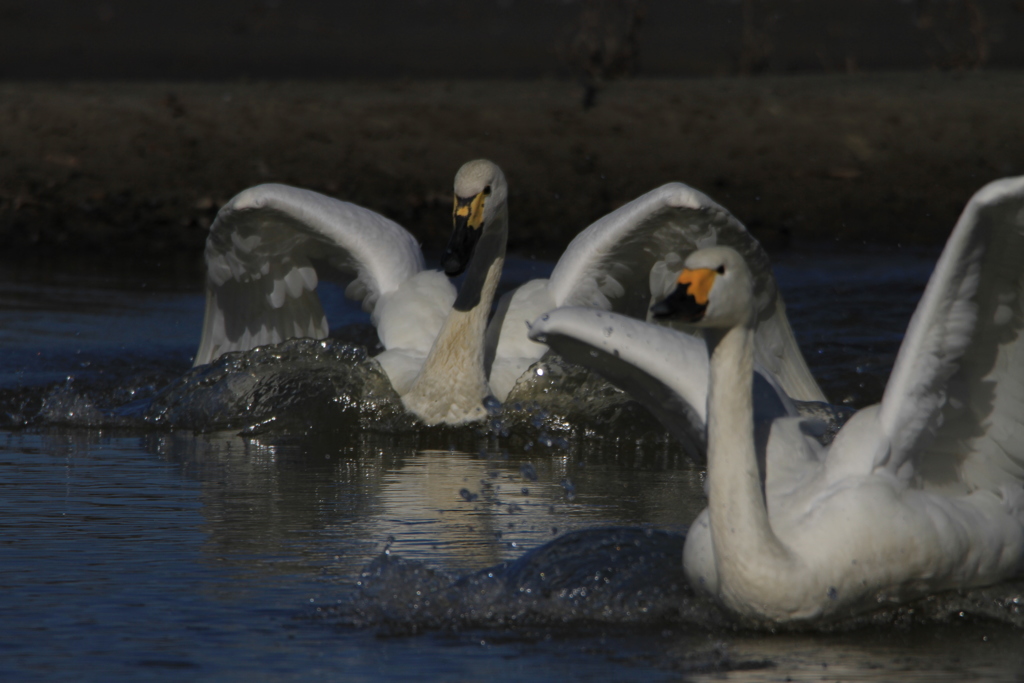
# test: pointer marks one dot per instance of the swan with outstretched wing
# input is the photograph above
(920, 493)
(261, 285)
(438, 354)
(625, 260)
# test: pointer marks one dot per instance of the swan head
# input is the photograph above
(480, 195)
(715, 289)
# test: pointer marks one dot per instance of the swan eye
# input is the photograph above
(487, 190)
(720, 270)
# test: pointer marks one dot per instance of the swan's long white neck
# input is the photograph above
(452, 385)
(747, 552)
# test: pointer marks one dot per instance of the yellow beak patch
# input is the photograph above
(471, 209)
(699, 283)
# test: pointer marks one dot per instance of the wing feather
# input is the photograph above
(954, 406)
(629, 257)
(664, 369)
(261, 284)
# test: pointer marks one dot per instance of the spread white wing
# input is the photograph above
(260, 286)
(664, 369)
(629, 257)
(953, 411)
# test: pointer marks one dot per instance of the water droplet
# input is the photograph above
(570, 488)
(492, 405)
(528, 472)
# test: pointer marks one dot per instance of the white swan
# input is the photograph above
(261, 284)
(920, 493)
(626, 260)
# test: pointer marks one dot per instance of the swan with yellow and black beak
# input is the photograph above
(921, 493)
(452, 384)
(441, 354)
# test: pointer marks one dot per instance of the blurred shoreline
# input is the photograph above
(187, 40)
(141, 168)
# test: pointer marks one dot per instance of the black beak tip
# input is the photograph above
(661, 310)
(679, 306)
(453, 265)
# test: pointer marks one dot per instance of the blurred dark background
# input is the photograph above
(124, 125)
(522, 39)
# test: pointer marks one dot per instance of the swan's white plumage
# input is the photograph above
(510, 350)
(665, 369)
(620, 262)
(261, 282)
(953, 372)
(921, 493)
(408, 321)
(261, 285)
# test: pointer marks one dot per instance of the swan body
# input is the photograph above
(624, 261)
(261, 285)
(920, 493)
(444, 358)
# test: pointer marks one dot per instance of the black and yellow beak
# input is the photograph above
(689, 300)
(468, 217)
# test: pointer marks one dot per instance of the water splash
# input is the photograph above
(294, 385)
(609, 576)
(303, 384)
(622, 576)
(65, 405)
(111, 399)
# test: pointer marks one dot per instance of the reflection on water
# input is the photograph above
(460, 511)
(282, 553)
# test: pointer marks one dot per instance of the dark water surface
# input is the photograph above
(332, 551)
